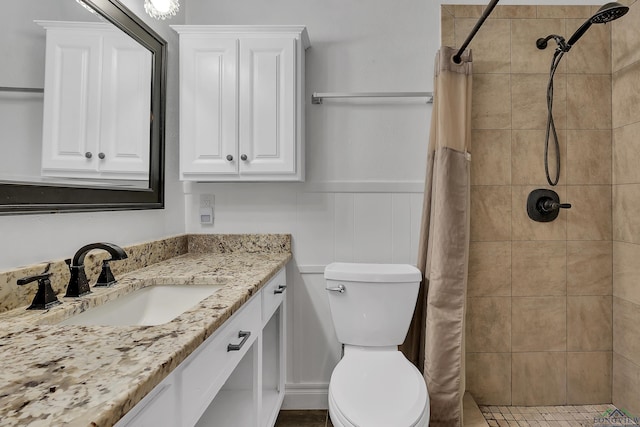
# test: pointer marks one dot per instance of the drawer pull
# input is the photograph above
(242, 334)
(280, 289)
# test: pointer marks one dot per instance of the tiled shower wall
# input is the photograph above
(539, 316)
(626, 208)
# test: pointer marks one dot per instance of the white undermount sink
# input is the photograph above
(153, 305)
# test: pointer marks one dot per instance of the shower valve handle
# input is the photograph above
(549, 205)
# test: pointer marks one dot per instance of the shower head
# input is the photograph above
(606, 13)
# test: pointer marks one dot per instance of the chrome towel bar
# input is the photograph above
(317, 97)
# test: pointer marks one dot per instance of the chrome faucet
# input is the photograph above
(78, 283)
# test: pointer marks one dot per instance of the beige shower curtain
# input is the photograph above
(435, 342)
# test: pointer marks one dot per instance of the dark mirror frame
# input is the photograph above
(21, 198)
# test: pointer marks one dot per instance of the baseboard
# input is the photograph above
(306, 396)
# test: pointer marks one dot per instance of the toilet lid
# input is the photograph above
(378, 389)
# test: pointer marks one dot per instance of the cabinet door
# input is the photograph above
(71, 116)
(267, 106)
(208, 106)
(126, 107)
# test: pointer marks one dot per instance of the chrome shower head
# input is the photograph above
(609, 12)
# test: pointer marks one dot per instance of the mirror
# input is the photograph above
(82, 99)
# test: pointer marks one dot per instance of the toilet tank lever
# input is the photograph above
(340, 288)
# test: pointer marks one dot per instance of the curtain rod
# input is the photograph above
(21, 89)
(317, 97)
(457, 58)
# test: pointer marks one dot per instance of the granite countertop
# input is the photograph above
(93, 375)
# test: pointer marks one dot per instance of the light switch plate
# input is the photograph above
(207, 202)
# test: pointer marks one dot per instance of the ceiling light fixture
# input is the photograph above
(161, 9)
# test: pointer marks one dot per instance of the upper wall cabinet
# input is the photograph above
(242, 102)
(97, 103)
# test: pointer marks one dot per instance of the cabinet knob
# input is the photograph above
(243, 157)
(101, 155)
(88, 154)
(229, 157)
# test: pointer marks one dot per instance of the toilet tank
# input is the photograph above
(377, 302)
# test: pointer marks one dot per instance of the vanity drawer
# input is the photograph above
(273, 294)
(207, 369)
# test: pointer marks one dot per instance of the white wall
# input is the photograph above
(365, 159)
(27, 239)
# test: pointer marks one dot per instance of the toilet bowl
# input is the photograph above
(377, 388)
(374, 385)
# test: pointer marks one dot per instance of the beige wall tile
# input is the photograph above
(447, 27)
(626, 154)
(626, 384)
(525, 55)
(524, 228)
(528, 97)
(589, 323)
(588, 101)
(538, 378)
(539, 268)
(491, 157)
(626, 271)
(589, 378)
(488, 377)
(592, 53)
(468, 10)
(626, 92)
(625, 38)
(527, 157)
(588, 157)
(447, 8)
(514, 12)
(491, 46)
(539, 324)
(626, 205)
(626, 334)
(590, 215)
(490, 205)
(564, 12)
(488, 324)
(491, 104)
(589, 268)
(489, 269)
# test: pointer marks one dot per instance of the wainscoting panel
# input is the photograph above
(326, 227)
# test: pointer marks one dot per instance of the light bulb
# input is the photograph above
(161, 9)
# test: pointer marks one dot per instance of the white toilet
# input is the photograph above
(374, 385)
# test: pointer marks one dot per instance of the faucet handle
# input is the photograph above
(45, 296)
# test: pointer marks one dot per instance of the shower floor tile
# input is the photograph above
(543, 416)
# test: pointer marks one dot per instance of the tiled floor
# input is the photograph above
(543, 416)
(496, 416)
(303, 419)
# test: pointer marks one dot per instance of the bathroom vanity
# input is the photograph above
(221, 362)
(233, 379)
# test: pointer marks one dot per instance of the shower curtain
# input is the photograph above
(435, 342)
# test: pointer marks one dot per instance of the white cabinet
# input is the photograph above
(242, 102)
(234, 379)
(97, 103)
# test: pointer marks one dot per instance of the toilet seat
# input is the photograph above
(373, 387)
